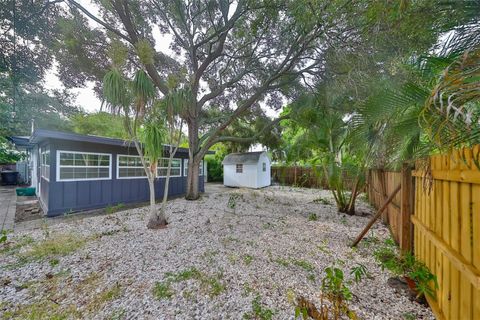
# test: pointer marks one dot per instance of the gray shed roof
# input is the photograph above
(244, 158)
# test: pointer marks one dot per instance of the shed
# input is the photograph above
(249, 169)
(74, 172)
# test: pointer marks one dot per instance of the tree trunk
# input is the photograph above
(157, 218)
(193, 161)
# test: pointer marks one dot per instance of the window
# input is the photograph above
(175, 170)
(74, 166)
(185, 168)
(45, 163)
(264, 167)
(130, 167)
(239, 168)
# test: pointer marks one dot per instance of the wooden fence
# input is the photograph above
(297, 176)
(380, 185)
(302, 177)
(443, 208)
(447, 232)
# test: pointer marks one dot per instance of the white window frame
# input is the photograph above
(86, 179)
(239, 165)
(42, 165)
(118, 167)
(185, 168)
(171, 176)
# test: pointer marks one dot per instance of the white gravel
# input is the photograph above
(250, 250)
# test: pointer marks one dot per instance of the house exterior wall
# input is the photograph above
(263, 177)
(65, 196)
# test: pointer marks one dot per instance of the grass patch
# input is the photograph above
(282, 262)
(305, 265)
(247, 259)
(105, 296)
(162, 290)
(13, 247)
(115, 208)
(210, 284)
(312, 217)
(43, 310)
(61, 245)
(323, 201)
(259, 311)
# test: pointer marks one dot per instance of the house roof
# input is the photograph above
(43, 134)
(20, 141)
(244, 158)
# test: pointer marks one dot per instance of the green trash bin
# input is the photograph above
(25, 191)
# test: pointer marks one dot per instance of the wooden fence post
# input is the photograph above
(406, 209)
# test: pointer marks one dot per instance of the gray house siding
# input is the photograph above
(65, 196)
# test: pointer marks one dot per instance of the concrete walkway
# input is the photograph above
(8, 205)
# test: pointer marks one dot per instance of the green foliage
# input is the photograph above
(3, 236)
(8, 154)
(334, 286)
(259, 311)
(115, 208)
(407, 265)
(210, 284)
(215, 168)
(312, 217)
(100, 124)
(359, 271)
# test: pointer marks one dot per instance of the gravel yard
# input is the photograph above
(231, 255)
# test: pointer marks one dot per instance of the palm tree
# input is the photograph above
(134, 100)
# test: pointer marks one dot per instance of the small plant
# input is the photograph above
(232, 201)
(336, 290)
(247, 259)
(115, 208)
(259, 311)
(312, 217)
(54, 262)
(419, 278)
(3, 236)
(323, 201)
(359, 271)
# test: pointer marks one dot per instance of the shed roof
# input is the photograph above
(245, 158)
(43, 134)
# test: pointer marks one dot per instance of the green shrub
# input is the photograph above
(214, 169)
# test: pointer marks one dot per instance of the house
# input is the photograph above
(74, 172)
(250, 169)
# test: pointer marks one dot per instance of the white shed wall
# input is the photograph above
(246, 179)
(263, 177)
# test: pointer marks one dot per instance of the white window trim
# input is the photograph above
(42, 150)
(237, 166)
(118, 167)
(185, 168)
(171, 176)
(86, 179)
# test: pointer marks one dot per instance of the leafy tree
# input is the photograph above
(230, 55)
(27, 31)
(100, 124)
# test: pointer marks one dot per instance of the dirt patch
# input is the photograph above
(28, 208)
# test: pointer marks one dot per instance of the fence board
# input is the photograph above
(447, 232)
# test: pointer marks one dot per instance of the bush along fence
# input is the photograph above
(442, 206)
